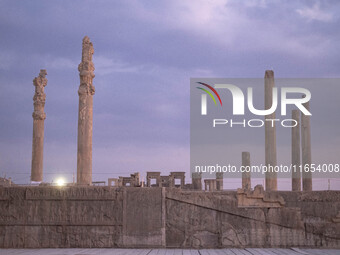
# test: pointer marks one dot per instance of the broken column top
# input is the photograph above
(269, 74)
(87, 50)
(245, 154)
(86, 68)
(41, 80)
(39, 96)
(43, 73)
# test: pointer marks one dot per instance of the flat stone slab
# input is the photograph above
(247, 251)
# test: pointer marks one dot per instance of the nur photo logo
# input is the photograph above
(294, 96)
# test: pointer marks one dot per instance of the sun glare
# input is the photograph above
(60, 182)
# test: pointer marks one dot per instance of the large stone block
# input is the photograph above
(143, 220)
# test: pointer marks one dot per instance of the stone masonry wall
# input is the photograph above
(213, 219)
(41, 217)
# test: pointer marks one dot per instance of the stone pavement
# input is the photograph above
(247, 251)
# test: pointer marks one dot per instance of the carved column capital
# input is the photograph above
(39, 97)
(86, 89)
(86, 69)
(38, 115)
(40, 82)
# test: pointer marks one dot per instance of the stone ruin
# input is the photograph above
(4, 182)
(85, 125)
(133, 217)
(164, 211)
(153, 179)
(132, 181)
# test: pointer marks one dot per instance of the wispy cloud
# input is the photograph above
(240, 26)
(61, 63)
(105, 65)
(315, 13)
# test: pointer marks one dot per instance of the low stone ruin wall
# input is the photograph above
(46, 217)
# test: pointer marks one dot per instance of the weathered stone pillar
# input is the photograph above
(86, 92)
(306, 150)
(196, 181)
(210, 184)
(270, 131)
(219, 181)
(39, 117)
(246, 181)
(296, 175)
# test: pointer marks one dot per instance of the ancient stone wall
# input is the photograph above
(213, 219)
(41, 217)
(32, 217)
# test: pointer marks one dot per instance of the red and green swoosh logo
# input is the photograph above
(209, 93)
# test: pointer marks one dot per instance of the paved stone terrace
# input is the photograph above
(247, 251)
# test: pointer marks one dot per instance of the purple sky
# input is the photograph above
(145, 54)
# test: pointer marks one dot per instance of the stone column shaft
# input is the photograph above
(197, 181)
(246, 181)
(39, 117)
(219, 181)
(85, 117)
(296, 176)
(306, 149)
(270, 132)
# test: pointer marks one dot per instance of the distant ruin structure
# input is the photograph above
(155, 176)
(219, 181)
(296, 175)
(210, 184)
(155, 179)
(39, 117)
(85, 117)
(246, 176)
(270, 131)
(132, 181)
(196, 181)
(165, 181)
(6, 182)
(259, 198)
(177, 176)
(306, 150)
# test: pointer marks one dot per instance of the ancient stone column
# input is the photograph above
(86, 92)
(306, 150)
(270, 131)
(219, 181)
(197, 181)
(39, 117)
(246, 181)
(296, 174)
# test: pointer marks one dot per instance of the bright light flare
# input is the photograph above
(60, 182)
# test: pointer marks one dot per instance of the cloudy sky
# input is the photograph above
(145, 54)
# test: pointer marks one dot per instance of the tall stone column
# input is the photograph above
(306, 150)
(85, 117)
(270, 131)
(197, 181)
(219, 181)
(246, 181)
(296, 176)
(39, 117)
